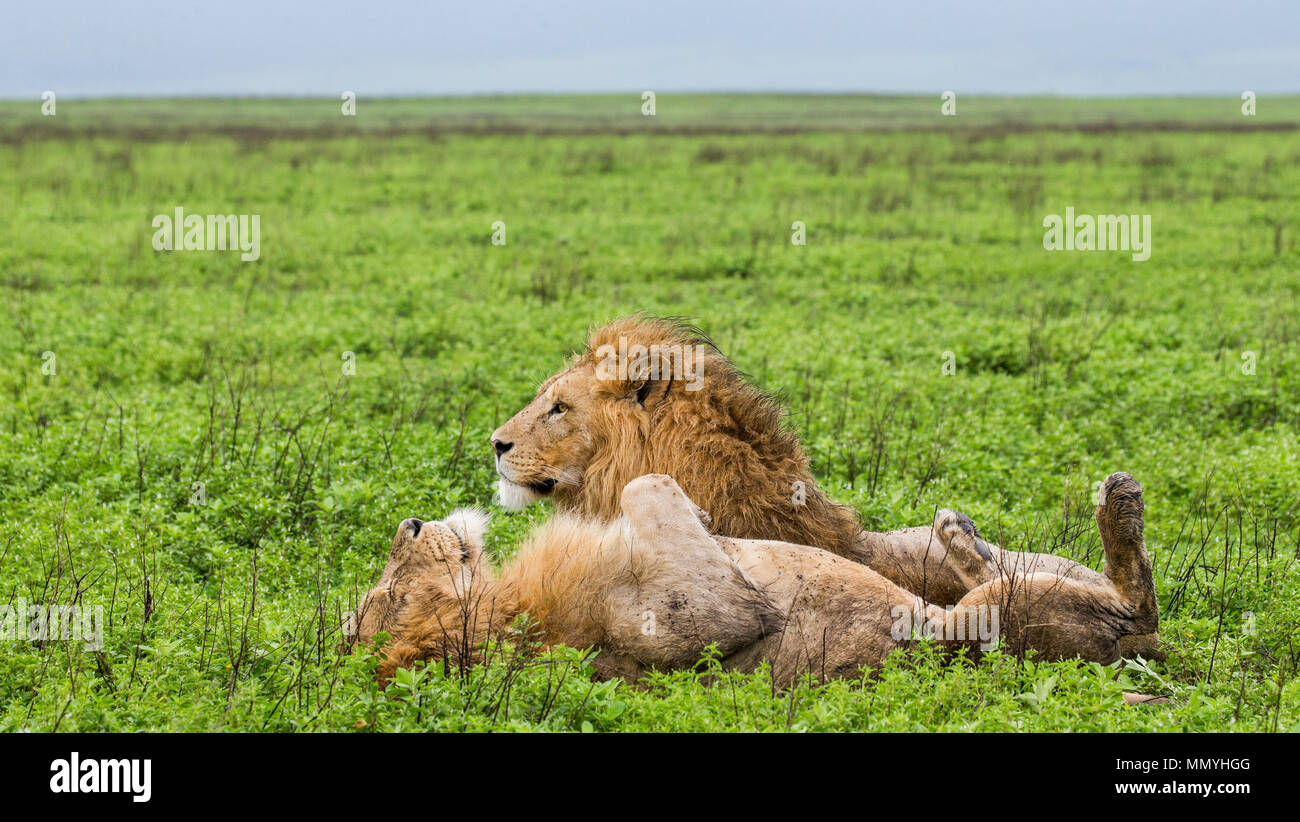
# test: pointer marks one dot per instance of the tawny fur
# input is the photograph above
(653, 589)
(731, 449)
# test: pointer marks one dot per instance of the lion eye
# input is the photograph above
(559, 408)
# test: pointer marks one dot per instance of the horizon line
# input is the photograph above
(695, 93)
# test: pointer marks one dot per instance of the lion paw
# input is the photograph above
(1120, 506)
(957, 532)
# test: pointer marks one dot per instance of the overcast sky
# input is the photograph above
(319, 47)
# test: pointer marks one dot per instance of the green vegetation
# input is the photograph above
(223, 601)
(622, 114)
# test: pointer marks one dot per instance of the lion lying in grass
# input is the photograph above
(654, 396)
(653, 589)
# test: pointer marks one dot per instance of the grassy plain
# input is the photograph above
(128, 376)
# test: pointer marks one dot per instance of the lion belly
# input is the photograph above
(840, 616)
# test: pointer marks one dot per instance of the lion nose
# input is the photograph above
(502, 447)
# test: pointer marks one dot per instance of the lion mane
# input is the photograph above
(727, 444)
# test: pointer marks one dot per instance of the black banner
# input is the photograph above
(141, 773)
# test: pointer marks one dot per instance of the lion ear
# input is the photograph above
(643, 391)
(649, 392)
(469, 524)
(650, 388)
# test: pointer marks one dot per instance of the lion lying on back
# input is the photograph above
(653, 589)
(654, 396)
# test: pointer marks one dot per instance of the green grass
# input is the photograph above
(179, 368)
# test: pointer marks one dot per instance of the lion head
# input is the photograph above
(544, 450)
(656, 396)
(428, 559)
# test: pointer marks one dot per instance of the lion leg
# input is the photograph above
(941, 564)
(966, 551)
(949, 560)
(687, 593)
(1059, 617)
(656, 507)
(1055, 617)
(1127, 567)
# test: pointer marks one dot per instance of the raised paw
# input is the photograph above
(1128, 568)
(957, 532)
(1120, 507)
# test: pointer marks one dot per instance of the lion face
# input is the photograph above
(543, 451)
(426, 558)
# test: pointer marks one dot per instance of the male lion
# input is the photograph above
(653, 589)
(657, 396)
